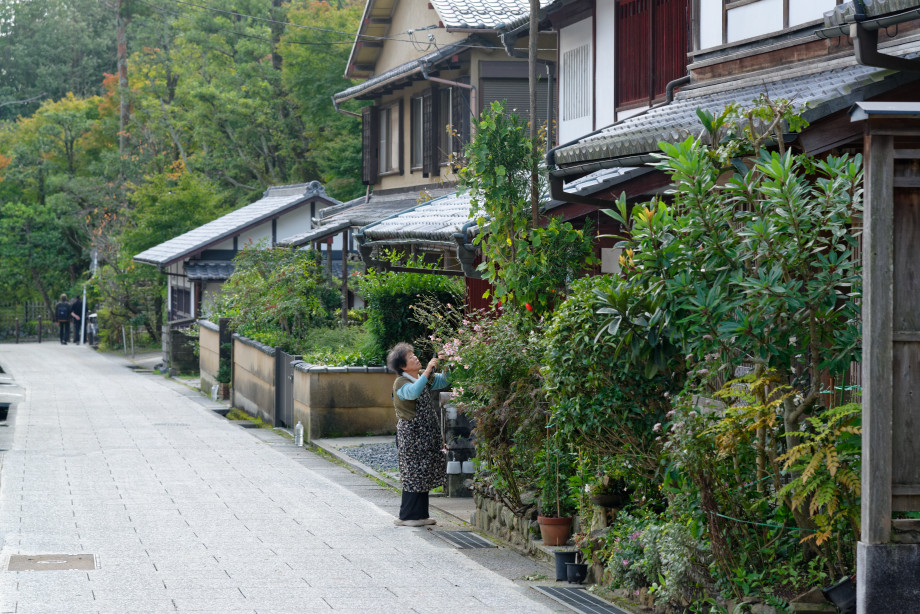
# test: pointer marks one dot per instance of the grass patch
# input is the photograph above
(239, 415)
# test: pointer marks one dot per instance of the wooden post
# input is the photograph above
(876, 359)
(39, 328)
(17, 330)
(345, 277)
(888, 552)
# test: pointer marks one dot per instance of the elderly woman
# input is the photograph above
(418, 436)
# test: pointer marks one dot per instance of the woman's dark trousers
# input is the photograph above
(414, 506)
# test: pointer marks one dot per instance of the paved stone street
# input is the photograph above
(186, 511)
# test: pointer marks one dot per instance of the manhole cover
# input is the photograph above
(464, 539)
(51, 562)
(579, 600)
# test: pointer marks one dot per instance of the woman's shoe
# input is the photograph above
(411, 523)
(428, 521)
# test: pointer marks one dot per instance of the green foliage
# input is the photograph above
(597, 400)
(277, 296)
(527, 266)
(389, 297)
(660, 554)
(760, 269)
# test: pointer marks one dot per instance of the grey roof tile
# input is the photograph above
(379, 206)
(484, 14)
(209, 270)
(827, 87)
(435, 220)
(275, 201)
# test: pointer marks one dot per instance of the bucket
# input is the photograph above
(563, 557)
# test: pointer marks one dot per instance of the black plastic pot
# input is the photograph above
(576, 572)
(843, 595)
(563, 557)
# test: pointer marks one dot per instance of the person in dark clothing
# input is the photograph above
(422, 462)
(76, 313)
(62, 315)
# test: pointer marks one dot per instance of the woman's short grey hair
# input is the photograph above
(396, 359)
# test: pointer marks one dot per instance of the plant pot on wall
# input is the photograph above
(555, 531)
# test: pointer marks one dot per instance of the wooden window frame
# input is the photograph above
(417, 133)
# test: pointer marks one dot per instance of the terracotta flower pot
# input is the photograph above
(555, 531)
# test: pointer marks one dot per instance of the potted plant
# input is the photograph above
(556, 504)
(609, 492)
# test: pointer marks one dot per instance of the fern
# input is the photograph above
(825, 467)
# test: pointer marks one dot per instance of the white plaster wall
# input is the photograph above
(262, 232)
(605, 49)
(225, 244)
(710, 23)
(755, 19)
(802, 11)
(294, 222)
(570, 38)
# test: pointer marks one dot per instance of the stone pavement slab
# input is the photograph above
(186, 512)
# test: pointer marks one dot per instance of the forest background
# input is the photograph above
(124, 123)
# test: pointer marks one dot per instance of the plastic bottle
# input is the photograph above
(298, 434)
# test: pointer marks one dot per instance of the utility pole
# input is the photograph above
(534, 118)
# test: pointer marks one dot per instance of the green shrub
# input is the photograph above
(277, 296)
(596, 399)
(389, 297)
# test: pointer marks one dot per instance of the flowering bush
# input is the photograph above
(494, 367)
(661, 555)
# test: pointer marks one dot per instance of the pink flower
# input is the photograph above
(625, 563)
(657, 427)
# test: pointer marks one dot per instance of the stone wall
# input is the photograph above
(208, 354)
(494, 518)
(253, 378)
(179, 350)
(343, 401)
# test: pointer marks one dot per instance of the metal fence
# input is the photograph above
(21, 321)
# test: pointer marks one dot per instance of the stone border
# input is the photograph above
(256, 344)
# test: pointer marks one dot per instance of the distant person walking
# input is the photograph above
(76, 312)
(422, 462)
(62, 315)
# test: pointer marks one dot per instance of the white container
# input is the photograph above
(468, 467)
(298, 434)
(453, 467)
(214, 392)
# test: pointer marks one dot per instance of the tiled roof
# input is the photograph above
(484, 14)
(435, 220)
(846, 12)
(209, 270)
(412, 67)
(598, 181)
(379, 206)
(316, 234)
(275, 201)
(827, 87)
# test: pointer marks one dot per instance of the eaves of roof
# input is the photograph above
(826, 87)
(276, 201)
(404, 71)
(375, 26)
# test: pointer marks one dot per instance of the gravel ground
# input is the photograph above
(379, 456)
